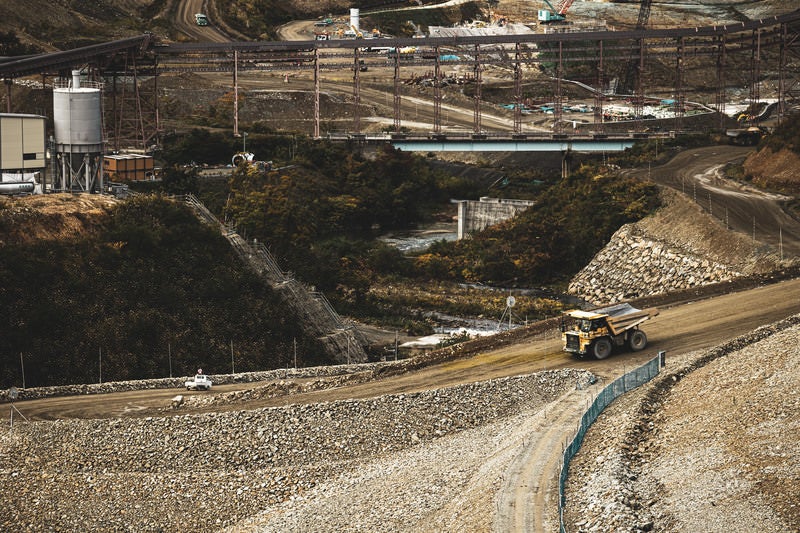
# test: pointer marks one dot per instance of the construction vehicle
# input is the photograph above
(554, 14)
(354, 33)
(599, 331)
(200, 19)
(198, 382)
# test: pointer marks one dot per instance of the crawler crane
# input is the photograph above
(554, 14)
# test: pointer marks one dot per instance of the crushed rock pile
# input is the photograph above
(706, 446)
(678, 248)
(177, 473)
(632, 266)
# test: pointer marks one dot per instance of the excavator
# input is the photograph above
(554, 14)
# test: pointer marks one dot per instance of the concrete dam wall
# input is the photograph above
(474, 216)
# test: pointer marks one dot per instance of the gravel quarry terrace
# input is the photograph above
(210, 471)
(709, 445)
(440, 460)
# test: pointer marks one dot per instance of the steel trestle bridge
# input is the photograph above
(760, 58)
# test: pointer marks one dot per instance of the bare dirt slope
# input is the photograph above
(54, 24)
(708, 446)
(51, 217)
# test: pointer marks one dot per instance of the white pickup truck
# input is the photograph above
(198, 382)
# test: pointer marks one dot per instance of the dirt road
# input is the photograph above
(757, 214)
(680, 329)
(529, 494)
(187, 25)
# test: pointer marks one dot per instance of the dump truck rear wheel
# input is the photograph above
(637, 341)
(601, 348)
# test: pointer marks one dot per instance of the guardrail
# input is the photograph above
(319, 315)
(463, 136)
(616, 388)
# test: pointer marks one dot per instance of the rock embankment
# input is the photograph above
(709, 445)
(633, 266)
(680, 247)
(188, 472)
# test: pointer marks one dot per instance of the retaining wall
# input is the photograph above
(633, 266)
(474, 216)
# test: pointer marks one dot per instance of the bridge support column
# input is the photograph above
(397, 91)
(236, 93)
(638, 95)
(9, 83)
(721, 64)
(316, 93)
(566, 158)
(437, 93)
(782, 76)
(599, 95)
(558, 100)
(517, 91)
(679, 106)
(478, 69)
(755, 75)
(356, 92)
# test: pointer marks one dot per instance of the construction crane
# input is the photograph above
(554, 14)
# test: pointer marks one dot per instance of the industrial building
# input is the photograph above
(79, 145)
(22, 153)
(128, 167)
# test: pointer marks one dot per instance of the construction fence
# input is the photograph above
(618, 387)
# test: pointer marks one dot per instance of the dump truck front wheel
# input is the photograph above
(637, 341)
(601, 348)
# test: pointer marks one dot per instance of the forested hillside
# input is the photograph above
(321, 217)
(145, 279)
(147, 286)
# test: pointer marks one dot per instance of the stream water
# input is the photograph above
(420, 239)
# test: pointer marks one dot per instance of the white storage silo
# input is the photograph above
(354, 16)
(78, 122)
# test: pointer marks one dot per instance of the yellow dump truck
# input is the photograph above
(599, 331)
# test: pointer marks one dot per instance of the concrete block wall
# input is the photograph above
(474, 216)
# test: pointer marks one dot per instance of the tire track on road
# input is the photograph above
(528, 500)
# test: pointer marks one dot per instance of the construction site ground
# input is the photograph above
(690, 322)
(701, 414)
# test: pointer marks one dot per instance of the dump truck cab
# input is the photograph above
(599, 331)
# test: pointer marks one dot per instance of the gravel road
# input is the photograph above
(393, 463)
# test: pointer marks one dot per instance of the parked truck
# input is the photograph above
(199, 382)
(599, 331)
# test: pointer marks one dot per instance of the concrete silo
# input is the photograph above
(78, 122)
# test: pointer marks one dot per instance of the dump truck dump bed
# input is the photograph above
(620, 317)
